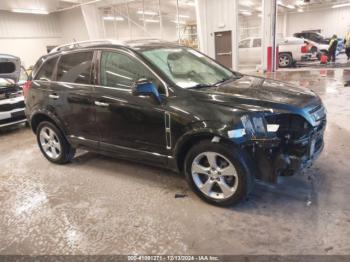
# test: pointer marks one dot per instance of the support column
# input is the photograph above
(93, 21)
(269, 53)
(235, 35)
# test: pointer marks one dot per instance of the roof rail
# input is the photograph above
(86, 43)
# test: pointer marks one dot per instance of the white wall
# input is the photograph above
(251, 26)
(330, 21)
(27, 36)
(169, 31)
(216, 16)
(72, 26)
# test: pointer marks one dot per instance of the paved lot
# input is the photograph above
(100, 205)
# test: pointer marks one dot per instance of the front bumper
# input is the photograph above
(12, 111)
(287, 165)
(277, 159)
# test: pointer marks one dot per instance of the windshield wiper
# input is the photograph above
(221, 81)
(227, 79)
(201, 85)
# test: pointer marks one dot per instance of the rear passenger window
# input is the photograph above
(75, 68)
(45, 73)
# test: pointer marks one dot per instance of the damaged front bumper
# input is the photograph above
(288, 151)
(274, 159)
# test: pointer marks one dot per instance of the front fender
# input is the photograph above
(205, 130)
(208, 130)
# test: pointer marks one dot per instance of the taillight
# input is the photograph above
(26, 88)
(304, 49)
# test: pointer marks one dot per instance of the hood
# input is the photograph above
(10, 67)
(256, 93)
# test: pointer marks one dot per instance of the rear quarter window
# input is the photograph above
(46, 71)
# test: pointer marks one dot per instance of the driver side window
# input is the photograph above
(121, 71)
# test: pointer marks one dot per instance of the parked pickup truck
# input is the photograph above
(291, 50)
(11, 96)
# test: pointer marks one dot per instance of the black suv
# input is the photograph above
(172, 106)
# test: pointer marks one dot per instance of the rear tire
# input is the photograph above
(216, 173)
(285, 60)
(313, 50)
(53, 145)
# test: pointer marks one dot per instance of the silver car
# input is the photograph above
(11, 96)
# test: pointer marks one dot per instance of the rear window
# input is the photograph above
(75, 68)
(45, 73)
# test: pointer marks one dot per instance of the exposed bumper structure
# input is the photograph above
(289, 156)
(282, 144)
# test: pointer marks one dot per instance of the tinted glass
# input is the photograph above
(46, 70)
(119, 70)
(257, 42)
(75, 68)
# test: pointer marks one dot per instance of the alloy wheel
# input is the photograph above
(284, 61)
(50, 143)
(214, 175)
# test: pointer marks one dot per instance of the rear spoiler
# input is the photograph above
(10, 67)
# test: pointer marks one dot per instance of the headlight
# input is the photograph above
(318, 113)
(253, 126)
(272, 127)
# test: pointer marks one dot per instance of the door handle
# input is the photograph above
(98, 103)
(228, 53)
(54, 96)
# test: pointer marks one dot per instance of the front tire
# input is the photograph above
(285, 60)
(216, 173)
(53, 144)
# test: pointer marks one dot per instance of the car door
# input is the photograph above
(125, 120)
(71, 96)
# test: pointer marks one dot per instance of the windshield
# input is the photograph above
(318, 36)
(187, 68)
(6, 82)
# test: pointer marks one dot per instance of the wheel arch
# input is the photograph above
(193, 139)
(41, 116)
(189, 140)
(286, 52)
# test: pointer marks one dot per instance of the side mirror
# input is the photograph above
(146, 88)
